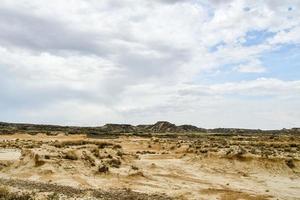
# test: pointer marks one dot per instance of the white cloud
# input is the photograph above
(254, 66)
(89, 62)
(259, 87)
(291, 36)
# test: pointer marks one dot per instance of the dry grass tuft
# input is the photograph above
(37, 161)
(71, 155)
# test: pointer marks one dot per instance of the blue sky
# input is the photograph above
(257, 37)
(231, 63)
(281, 63)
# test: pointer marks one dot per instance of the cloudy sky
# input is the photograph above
(211, 63)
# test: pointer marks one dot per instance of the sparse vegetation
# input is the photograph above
(5, 194)
(53, 196)
(151, 160)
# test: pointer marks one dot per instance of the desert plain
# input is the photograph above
(170, 165)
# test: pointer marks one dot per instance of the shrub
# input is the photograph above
(3, 192)
(37, 161)
(71, 155)
(88, 158)
(116, 163)
(119, 153)
(103, 168)
(53, 196)
(134, 167)
(117, 146)
(95, 151)
(290, 163)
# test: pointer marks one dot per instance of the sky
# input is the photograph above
(210, 63)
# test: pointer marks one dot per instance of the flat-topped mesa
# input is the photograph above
(118, 128)
(191, 128)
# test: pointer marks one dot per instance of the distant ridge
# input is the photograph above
(158, 127)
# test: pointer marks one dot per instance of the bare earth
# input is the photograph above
(129, 167)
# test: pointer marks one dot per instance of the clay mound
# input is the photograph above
(163, 126)
(167, 127)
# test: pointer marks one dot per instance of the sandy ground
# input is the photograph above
(10, 154)
(206, 167)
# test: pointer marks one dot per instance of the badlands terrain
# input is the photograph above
(160, 161)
